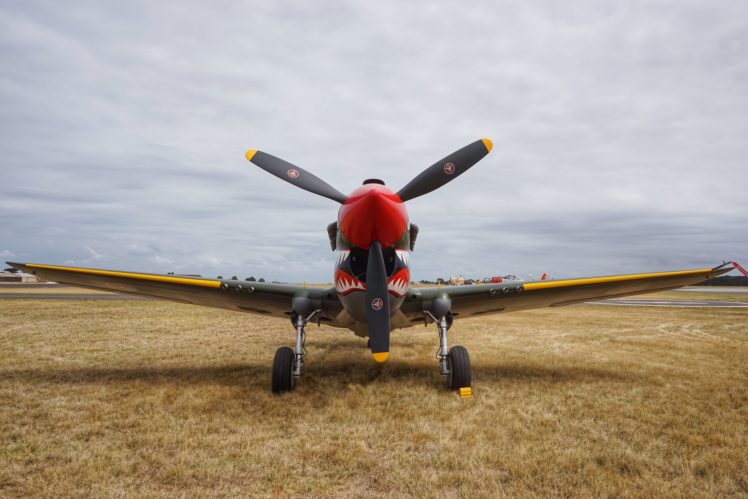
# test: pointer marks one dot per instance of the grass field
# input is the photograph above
(113, 398)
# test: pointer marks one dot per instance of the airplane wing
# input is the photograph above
(255, 297)
(475, 300)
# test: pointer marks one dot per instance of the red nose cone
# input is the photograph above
(373, 213)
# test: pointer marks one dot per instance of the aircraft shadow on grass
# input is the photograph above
(333, 375)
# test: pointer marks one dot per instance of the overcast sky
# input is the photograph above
(620, 132)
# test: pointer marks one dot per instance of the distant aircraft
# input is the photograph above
(372, 240)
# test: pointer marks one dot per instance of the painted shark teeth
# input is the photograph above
(346, 283)
(341, 256)
(398, 283)
(398, 287)
(403, 256)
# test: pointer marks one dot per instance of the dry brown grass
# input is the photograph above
(152, 398)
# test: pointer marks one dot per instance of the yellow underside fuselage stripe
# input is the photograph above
(532, 286)
(130, 275)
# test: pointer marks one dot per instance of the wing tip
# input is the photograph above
(725, 265)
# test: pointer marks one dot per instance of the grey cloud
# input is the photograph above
(619, 130)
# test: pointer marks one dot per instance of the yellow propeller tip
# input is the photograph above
(381, 357)
(250, 154)
(487, 142)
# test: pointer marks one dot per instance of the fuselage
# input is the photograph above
(372, 212)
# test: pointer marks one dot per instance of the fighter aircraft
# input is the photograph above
(372, 240)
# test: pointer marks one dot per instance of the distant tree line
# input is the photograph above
(726, 280)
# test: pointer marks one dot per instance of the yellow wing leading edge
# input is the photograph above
(531, 286)
(131, 275)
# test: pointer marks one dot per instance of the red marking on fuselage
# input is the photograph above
(371, 213)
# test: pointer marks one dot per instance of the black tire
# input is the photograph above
(283, 378)
(459, 368)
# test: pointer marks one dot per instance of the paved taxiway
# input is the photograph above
(30, 286)
(673, 303)
(614, 302)
(68, 296)
(741, 290)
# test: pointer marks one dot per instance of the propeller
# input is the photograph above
(433, 177)
(446, 169)
(377, 304)
(294, 175)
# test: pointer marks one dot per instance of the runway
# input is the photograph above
(69, 296)
(740, 290)
(18, 285)
(672, 303)
(615, 302)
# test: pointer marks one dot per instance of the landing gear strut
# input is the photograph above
(288, 362)
(454, 363)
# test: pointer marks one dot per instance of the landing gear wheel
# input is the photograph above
(283, 378)
(459, 368)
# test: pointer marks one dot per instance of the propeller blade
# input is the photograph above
(294, 175)
(446, 169)
(377, 304)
